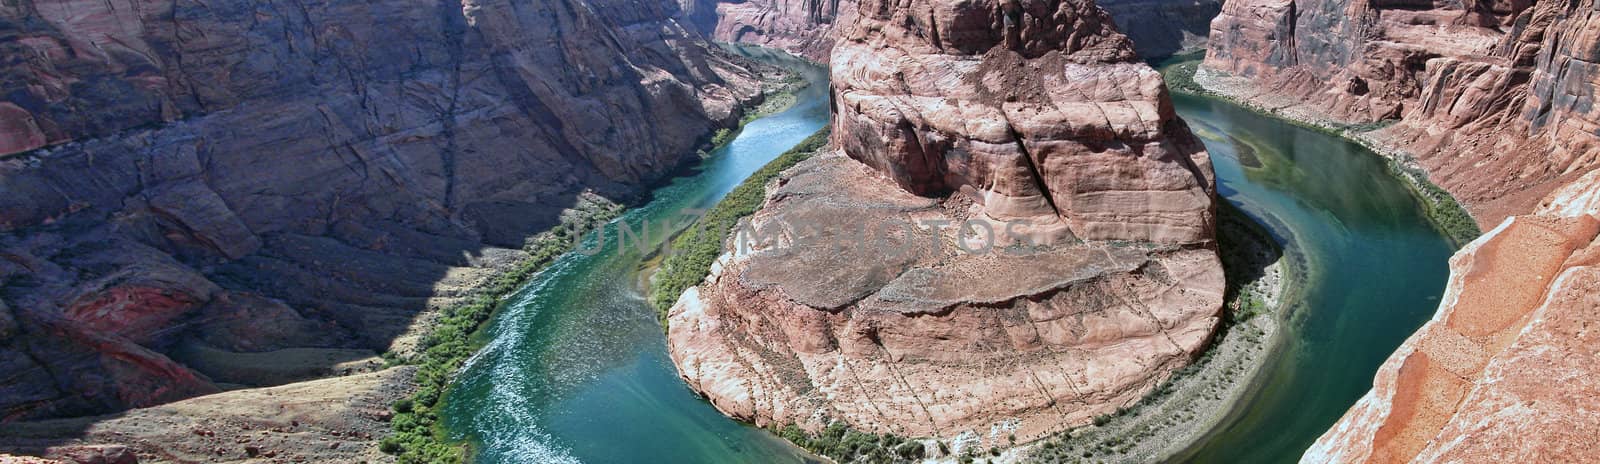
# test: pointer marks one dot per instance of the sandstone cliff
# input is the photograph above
(1086, 272)
(806, 28)
(1506, 370)
(230, 182)
(1495, 99)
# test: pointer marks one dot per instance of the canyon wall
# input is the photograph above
(809, 28)
(1495, 99)
(1079, 273)
(806, 28)
(201, 196)
(1506, 370)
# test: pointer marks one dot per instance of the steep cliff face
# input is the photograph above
(806, 28)
(1161, 28)
(239, 178)
(1035, 108)
(1506, 370)
(1078, 273)
(1495, 99)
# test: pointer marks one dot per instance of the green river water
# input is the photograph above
(575, 367)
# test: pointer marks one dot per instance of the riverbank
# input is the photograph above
(1184, 75)
(416, 436)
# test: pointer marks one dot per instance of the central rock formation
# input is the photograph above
(1033, 121)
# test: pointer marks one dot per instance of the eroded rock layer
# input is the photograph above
(1080, 273)
(1158, 28)
(805, 28)
(231, 184)
(1506, 370)
(1495, 99)
(1040, 109)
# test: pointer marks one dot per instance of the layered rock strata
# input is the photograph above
(1506, 370)
(1495, 99)
(212, 185)
(1080, 270)
(1158, 28)
(805, 28)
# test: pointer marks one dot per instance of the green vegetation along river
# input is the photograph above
(575, 367)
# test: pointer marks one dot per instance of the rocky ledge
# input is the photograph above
(1506, 370)
(1080, 270)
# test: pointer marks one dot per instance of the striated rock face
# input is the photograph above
(1495, 99)
(806, 28)
(255, 177)
(1040, 109)
(1506, 371)
(1158, 28)
(1080, 274)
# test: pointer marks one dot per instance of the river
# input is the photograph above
(1375, 269)
(575, 367)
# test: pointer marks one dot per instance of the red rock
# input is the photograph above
(18, 132)
(803, 28)
(1073, 133)
(1506, 371)
(956, 111)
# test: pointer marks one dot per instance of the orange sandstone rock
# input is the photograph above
(1506, 371)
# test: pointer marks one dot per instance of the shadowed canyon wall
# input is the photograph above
(255, 192)
(1034, 113)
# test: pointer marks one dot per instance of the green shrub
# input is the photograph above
(843, 444)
